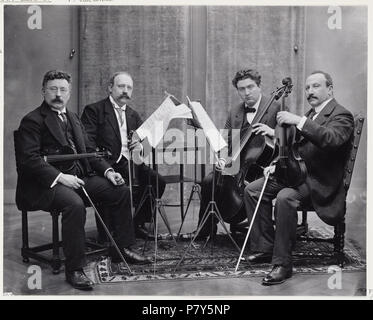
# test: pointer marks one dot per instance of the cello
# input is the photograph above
(255, 152)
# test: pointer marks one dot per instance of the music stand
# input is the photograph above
(157, 207)
(196, 188)
(212, 211)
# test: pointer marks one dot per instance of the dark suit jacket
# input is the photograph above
(102, 127)
(237, 117)
(324, 146)
(40, 131)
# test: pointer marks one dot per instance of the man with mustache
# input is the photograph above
(247, 82)
(325, 134)
(108, 123)
(48, 186)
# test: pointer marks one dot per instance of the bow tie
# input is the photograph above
(249, 110)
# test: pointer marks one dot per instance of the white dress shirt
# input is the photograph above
(251, 115)
(122, 123)
(318, 109)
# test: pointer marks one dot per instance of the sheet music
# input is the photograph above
(212, 134)
(156, 125)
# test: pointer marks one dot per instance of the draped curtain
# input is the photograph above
(147, 41)
(269, 39)
(156, 44)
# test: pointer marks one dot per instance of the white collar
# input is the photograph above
(58, 110)
(319, 108)
(115, 105)
(256, 105)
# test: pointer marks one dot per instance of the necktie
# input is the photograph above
(63, 117)
(249, 110)
(311, 114)
(120, 112)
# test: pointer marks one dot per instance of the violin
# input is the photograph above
(290, 167)
(65, 156)
(255, 152)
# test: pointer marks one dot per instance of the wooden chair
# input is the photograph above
(27, 252)
(340, 227)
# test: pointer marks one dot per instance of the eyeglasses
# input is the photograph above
(63, 90)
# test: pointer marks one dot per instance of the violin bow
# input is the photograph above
(252, 221)
(106, 229)
(130, 160)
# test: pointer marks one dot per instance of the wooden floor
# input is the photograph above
(15, 276)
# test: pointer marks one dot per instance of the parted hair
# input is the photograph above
(245, 74)
(56, 74)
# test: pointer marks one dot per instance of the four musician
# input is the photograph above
(108, 123)
(247, 82)
(323, 134)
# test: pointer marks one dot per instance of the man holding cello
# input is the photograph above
(257, 114)
(324, 135)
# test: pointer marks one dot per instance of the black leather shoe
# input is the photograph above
(260, 257)
(79, 280)
(277, 275)
(133, 257)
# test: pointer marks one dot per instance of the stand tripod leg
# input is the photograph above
(195, 188)
(218, 215)
(203, 221)
(162, 212)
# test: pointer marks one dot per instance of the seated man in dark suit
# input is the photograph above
(244, 116)
(108, 123)
(44, 186)
(325, 132)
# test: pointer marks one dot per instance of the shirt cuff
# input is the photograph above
(55, 180)
(301, 123)
(107, 170)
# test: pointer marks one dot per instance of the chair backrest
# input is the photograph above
(349, 168)
(16, 148)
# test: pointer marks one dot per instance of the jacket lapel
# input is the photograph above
(239, 117)
(77, 132)
(51, 122)
(111, 117)
(323, 116)
(262, 103)
(130, 119)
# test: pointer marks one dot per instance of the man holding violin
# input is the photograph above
(108, 124)
(46, 186)
(323, 141)
(254, 113)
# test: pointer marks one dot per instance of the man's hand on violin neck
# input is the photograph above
(134, 145)
(285, 117)
(220, 165)
(263, 129)
(70, 181)
(269, 170)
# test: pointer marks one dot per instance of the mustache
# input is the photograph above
(57, 100)
(311, 96)
(124, 95)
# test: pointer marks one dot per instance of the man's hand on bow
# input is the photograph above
(70, 181)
